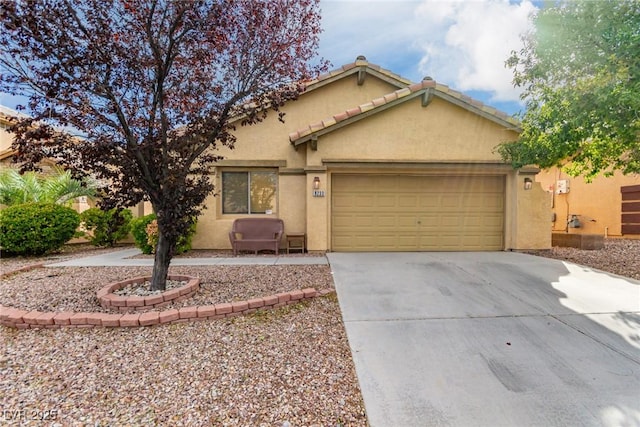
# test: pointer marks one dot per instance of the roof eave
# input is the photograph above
(480, 109)
(7, 153)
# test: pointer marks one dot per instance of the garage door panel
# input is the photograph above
(450, 221)
(342, 201)
(365, 201)
(492, 221)
(392, 241)
(341, 222)
(404, 213)
(484, 202)
(386, 201)
(448, 241)
(407, 201)
(473, 221)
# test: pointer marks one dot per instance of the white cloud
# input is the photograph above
(383, 31)
(469, 42)
(462, 43)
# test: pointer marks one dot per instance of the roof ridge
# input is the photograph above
(360, 62)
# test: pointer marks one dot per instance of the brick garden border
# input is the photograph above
(24, 319)
(130, 303)
(22, 269)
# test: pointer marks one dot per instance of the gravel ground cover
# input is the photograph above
(287, 367)
(619, 256)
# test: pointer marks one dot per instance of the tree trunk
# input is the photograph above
(161, 264)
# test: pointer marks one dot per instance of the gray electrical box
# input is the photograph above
(562, 186)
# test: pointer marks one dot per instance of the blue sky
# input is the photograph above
(461, 43)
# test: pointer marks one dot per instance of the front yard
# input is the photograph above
(289, 366)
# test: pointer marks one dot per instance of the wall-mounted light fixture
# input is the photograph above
(528, 183)
(317, 192)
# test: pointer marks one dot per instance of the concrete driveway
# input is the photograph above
(490, 339)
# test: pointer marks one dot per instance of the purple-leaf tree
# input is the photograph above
(153, 87)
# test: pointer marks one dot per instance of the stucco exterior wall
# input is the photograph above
(270, 138)
(212, 231)
(597, 204)
(533, 215)
(438, 132)
(5, 138)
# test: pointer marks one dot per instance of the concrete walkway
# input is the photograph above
(490, 339)
(122, 258)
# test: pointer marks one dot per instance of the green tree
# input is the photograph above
(58, 187)
(580, 71)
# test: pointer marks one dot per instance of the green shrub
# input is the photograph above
(139, 232)
(106, 227)
(36, 228)
(184, 242)
(144, 231)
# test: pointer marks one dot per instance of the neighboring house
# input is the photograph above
(5, 137)
(608, 206)
(369, 161)
(7, 153)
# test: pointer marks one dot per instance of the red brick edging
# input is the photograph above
(23, 319)
(21, 270)
(126, 304)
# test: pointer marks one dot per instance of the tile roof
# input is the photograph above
(406, 88)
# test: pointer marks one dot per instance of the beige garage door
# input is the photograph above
(417, 213)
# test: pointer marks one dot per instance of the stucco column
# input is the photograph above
(317, 210)
(533, 217)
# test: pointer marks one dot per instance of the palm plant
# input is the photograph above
(59, 187)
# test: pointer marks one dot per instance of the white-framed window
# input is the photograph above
(249, 192)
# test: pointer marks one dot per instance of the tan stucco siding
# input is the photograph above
(292, 202)
(533, 216)
(270, 138)
(336, 97)
(212, 231)
(441, 139)
(438, 132)
(597, 204)
(6, 139)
